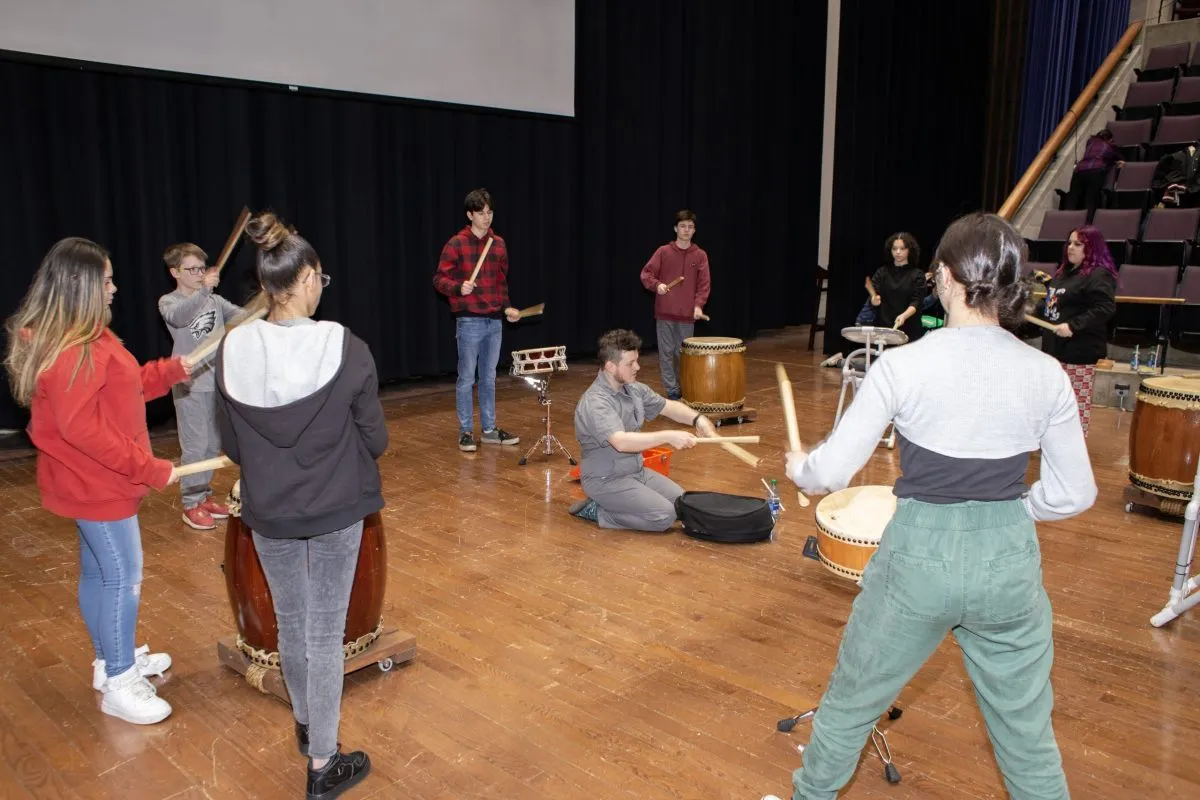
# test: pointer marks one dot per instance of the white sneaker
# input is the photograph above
(147, 663)
(130, 697)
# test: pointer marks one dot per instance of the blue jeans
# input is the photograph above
(478, 348)
(110, 588)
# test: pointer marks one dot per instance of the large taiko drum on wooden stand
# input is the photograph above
(250, 597)
(850, 525)
(712, 374)
(1164, 439)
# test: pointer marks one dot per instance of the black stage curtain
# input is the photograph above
(679, 104)
(1009, 27)
(912, 94)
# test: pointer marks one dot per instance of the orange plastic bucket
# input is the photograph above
(656, 458)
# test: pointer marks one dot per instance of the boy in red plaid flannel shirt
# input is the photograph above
(478, 307)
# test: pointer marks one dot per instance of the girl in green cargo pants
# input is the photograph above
(960, 555)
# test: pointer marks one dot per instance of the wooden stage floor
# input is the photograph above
(556, 660)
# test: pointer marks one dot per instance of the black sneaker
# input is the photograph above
(343, 771)
(498, 436)
(302, 738)
(466, 442)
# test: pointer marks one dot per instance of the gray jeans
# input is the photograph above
(199, 438)
(670, 339)
(641, 502)
(310, 581)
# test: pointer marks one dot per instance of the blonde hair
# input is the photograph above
(176, 253)
(63, 308)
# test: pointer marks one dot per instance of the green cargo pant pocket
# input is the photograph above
(918, 586)
(1013, 584)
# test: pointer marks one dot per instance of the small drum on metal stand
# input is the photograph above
(255, 651)
(855, 366)
(850, 524)
(1164, 444)
(712, 377)
(541, 361)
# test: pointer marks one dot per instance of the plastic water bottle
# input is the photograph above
(773, 499)
(1133, 359)
(1152, 362)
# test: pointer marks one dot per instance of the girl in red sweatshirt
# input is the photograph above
(86, 396)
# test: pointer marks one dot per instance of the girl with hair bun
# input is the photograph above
(302, 418)
(970, 402)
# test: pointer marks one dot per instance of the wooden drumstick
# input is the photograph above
(674, 283)
(220, 462)
(255, 309)
(789, 416)
(238, 228)
(740, 453)
(531, 311)
(479, 263)
(727, 439)
(1041, 323)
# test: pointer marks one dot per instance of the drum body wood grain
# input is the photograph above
(1164, 437)
(712, 373)
(250, 596)
(850, 525)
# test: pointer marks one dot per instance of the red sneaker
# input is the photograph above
(216, 510)
(198, 518)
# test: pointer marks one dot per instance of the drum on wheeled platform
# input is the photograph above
(850, 524)
(712, 373)
(250, 596)
(1164, 437)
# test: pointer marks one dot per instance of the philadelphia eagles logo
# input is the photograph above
(203, 324)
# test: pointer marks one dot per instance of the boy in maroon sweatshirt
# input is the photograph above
(676, 309)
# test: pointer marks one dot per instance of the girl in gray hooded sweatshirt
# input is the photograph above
(301, 416)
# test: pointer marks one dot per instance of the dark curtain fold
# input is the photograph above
(680, 104)
(1067, 42)
(912, 102)
(1007, 54)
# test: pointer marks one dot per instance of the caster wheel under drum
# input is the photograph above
(386, 665)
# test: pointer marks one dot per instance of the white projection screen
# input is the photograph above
(509, 54)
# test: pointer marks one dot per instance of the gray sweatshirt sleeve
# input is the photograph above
(1065, 485)
(180, 311)
(229, 310)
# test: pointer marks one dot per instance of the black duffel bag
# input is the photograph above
(725, 518)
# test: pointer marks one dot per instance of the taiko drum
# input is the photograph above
(1164, 438)
(712, 374)
(250, 596)
(850, 525)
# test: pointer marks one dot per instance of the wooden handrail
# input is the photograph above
(1046, 155)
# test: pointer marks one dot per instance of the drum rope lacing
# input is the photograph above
(267, 661)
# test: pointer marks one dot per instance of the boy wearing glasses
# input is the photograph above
(192, 312)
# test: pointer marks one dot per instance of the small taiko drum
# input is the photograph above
(850, 525)
(712, 374)
(1164, 437)
(250, 596)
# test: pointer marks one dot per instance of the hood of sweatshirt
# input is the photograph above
(279, 377)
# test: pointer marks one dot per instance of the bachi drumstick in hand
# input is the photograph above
(789, 415)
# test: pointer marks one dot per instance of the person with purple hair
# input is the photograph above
(1080, 300)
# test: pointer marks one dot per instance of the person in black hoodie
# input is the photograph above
(1080, 300)
(898, 291)
(301, 416)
